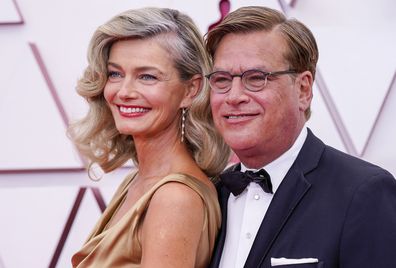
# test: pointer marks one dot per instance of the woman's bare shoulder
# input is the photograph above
(172, 227)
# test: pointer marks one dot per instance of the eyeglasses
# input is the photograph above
(253, 80)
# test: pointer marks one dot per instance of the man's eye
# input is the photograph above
(221, 79)
(256, 78)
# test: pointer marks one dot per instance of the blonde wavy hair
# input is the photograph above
(96, 135)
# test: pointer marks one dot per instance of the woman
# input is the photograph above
(149, 103)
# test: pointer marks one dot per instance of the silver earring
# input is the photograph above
(183, 120)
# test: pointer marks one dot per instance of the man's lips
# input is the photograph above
(240, 115)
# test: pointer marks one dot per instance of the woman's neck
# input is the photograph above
(159, 157)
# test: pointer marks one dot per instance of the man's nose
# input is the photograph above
(237, 92)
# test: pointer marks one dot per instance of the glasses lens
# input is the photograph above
(220, 81)
(254, 80)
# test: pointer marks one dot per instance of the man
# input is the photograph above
(320, 207)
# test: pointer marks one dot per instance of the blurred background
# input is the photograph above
(48, 205)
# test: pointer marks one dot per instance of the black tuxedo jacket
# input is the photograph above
(330, 206)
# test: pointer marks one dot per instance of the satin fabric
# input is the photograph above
(119, 246)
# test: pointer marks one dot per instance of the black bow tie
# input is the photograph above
(237, 181)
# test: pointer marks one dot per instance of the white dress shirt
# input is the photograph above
(246, 211)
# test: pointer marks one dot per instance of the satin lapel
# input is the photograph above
(284, 202)
(223, 194)
(223, 200)
(291, 191)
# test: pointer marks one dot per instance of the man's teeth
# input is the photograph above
(235, 116)
(132, 110)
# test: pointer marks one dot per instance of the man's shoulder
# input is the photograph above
(217, 181)
(340, 162)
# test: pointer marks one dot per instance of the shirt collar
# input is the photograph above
(278, 168)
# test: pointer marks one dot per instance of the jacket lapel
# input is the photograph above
(291, 191)
(281, 207)
(223, 200)
(223, 194)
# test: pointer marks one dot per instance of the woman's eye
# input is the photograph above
(113, 74)
(147, 77)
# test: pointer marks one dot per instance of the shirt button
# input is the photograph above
(248, 235)
(256, 197)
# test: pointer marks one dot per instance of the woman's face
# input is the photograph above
(143, 90)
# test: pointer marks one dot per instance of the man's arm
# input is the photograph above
(369, 233)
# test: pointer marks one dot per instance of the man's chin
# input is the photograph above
(239, 144)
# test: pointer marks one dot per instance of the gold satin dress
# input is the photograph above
(119, 246)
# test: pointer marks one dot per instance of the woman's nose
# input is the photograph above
(127, 89)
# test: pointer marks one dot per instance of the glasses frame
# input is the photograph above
(242, 76)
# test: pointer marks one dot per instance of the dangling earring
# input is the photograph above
(183, 120)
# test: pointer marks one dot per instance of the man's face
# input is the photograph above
(263, 123)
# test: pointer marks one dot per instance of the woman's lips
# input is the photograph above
(132, 111)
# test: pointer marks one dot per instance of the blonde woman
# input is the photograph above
(149, 103)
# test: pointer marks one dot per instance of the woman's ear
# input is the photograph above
(193, 87)
(305, 90)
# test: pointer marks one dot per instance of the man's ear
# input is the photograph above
(305, 90)
(193, 87)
